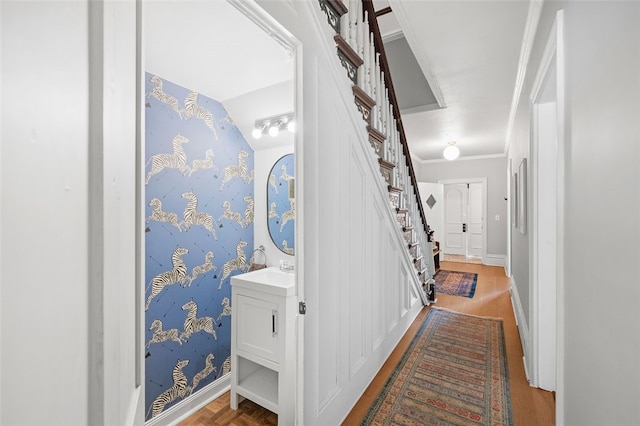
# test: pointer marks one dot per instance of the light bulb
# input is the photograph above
(291, 126)
(256, 133)
(451, 152)
(274, 130)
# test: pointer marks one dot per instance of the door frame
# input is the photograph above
(266, 21)
(263, 19)
(551, 66)
(483, 181)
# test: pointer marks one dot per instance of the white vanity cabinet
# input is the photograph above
(263, 341)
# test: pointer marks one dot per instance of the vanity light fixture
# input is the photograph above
(257, 132)
(451, 152)
(273, 125)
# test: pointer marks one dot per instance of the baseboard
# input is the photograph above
(193, 403)
(521, 321)
(496, 260)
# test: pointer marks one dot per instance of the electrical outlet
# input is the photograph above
(497, 217)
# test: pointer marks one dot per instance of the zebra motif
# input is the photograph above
(250, 177)
(178, 390)
(207, 163)
(226, 366)
(192, 217)
(160, 216)
(289, 214)
(239, 263)
(176, 160)
(163, 97)
(231, 215)
(176, 275)
(193, 325)
(160, 335)
(284, 175)
(192, 109)
(226, 309)
(202, 269)
(286, 249)
(240, 170)
(272, 211)
(272, 182)
(202, 374)
(248, 211)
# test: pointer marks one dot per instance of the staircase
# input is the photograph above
(360, 51)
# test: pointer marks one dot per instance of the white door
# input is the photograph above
(464, 219)
(455, 205)
(475, 234)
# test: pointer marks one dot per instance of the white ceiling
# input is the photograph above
(467, 50)
(212, 48)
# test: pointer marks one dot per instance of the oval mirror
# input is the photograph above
(281, 204)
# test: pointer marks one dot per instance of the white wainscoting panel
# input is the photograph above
(362, 291)
(355, 213)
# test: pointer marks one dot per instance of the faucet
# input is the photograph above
(286, 266)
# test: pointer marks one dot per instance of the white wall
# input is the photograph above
(599, 376)
(68, 221)
(435, 215)
(602, 374)
(491, 168)
(44, 213)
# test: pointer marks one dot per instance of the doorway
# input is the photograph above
(465, 218)
(203, 96)
(547, 132)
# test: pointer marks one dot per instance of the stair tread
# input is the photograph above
(347, 50)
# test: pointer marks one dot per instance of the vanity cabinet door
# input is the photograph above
(257, 327)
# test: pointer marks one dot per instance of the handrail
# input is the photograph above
(384, 66)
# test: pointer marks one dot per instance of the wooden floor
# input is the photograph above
(530, 406)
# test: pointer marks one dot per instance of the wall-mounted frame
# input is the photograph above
(522, 197)
(514, 200)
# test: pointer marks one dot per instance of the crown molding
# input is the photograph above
(469, 158)
(528, 38)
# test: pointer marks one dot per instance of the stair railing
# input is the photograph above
(361, 52)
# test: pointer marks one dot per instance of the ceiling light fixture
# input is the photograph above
(451, 152)
(273, 125)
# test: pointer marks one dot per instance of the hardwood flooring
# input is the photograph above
(530, 406)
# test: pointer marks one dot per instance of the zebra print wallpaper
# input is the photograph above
(199, 229)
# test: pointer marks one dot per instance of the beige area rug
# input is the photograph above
(462, 259)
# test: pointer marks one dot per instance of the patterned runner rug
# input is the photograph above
(454, 372)
(456, 283)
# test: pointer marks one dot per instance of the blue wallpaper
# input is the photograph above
(281, 206)
(199, 233)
